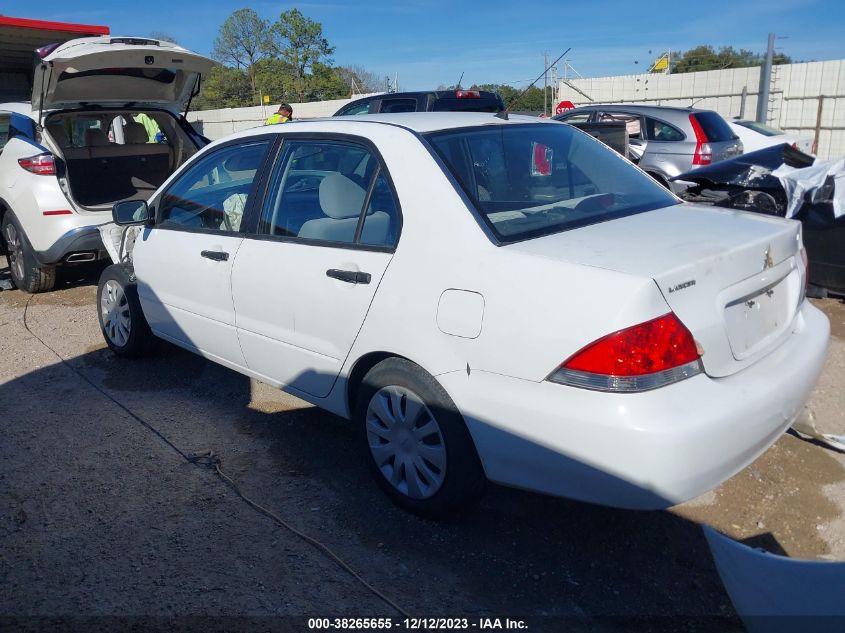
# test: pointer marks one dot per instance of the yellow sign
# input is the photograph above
(266, 99)
(661, 64)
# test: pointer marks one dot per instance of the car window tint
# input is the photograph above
(581, 117)
(319, 192)
(213, 193)
(714, 127)
(381, 223)
(660, 131)
(361, 108)
(398, 105)
(532, 180)
(4, 129)
(632, 122)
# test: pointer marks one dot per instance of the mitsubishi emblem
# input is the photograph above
(768, 262)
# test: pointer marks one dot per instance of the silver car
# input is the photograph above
(665, 141)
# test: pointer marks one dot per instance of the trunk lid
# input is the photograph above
(733, 278)
(117, 72)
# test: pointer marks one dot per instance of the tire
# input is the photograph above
(27, 273)
(660, 179)
(122, 321)
(440, 472)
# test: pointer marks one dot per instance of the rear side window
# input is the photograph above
(4, 129)
(660, 131)
(399, 105)
(578, 117)
(330, 191)
(714, 127)
(532, 180)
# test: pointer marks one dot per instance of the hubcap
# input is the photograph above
(13, 246)
(114, 308)
(405, 442)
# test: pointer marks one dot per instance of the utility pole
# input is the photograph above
(765, 82)
(545, 82)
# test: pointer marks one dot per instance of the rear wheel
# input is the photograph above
(27, 273)
(417, 445)
(122, 321)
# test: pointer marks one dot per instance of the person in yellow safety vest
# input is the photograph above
(282, 115)
(152, 128)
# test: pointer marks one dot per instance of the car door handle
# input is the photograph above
(349, 276)
(217, 256)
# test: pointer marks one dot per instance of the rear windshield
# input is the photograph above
(714, 127)
(537, 179)
(765, 130)
(451, 104)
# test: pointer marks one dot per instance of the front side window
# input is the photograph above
(330, 191)
(631, 121)
(212, 194)
(361, 108)
(533, 180)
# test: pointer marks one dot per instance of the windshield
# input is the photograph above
(533, 180)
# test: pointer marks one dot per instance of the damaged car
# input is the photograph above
(782, 181)
(487, 299)
(105, 123)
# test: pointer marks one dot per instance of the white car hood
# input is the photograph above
(117, 71)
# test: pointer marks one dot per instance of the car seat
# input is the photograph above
(340, 201)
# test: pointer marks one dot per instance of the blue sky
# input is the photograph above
(431, 42)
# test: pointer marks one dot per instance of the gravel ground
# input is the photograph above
(99, 516)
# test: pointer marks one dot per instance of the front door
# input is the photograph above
(184, 263)
(303, 283)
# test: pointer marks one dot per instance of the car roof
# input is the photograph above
(418, 122)
(639, 107)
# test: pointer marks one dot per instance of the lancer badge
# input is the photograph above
(768, 262)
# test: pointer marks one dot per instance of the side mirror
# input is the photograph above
(130, 212)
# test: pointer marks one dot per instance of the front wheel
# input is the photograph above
(122, 321)
(416, 443)
(27, 273)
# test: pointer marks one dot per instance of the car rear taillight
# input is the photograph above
(638, 358)
(703, 154)
(467, 94)
(41, 164)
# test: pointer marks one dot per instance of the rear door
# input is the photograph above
(670, 152)
(117, 71)
(184, 263)
(302, 284)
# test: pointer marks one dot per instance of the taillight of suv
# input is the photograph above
(703, 154)
(41, 164)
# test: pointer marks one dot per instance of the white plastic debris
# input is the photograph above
(798, 182)
(777, 594)
(805, 426)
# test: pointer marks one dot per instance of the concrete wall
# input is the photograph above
(795, 94)
(218, 123)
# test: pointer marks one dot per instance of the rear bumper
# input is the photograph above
(83, 239)
(645, 450)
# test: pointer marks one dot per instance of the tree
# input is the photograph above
(299, 41)
(365, 80)
(705, 57)
(241, 42)
(223, 87)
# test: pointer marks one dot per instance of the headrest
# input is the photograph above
(340, 197)
(95, 137)
(134, 133)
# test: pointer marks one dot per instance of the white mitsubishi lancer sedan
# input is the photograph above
(487, 299)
